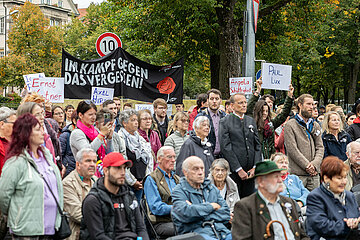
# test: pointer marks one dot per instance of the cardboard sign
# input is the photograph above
(240, 85)
(139, 107)
(51, 89)
(100, 95)
(276, 76)
(29, 79)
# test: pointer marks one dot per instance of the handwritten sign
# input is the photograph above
(240, 85)
(100, 95)
(139, 107)
(29, 79)
(51, 89)
(276, 76)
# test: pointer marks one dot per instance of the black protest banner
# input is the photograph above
(127, 75)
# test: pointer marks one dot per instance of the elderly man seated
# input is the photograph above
(197, 204)
(77, 185)
(253, 214)
(353, 161)
(158, 188)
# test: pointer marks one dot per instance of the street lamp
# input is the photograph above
(5, 29)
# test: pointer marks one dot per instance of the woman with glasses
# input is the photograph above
(87, 136)
(138, 150)
(151, 136)
(51, 142)
(177, 139)
(7, 120)
(59, 116)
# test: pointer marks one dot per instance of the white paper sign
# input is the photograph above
(139, 107)
(240, 85)
(100, 95)
(29, 79)
(276, 76)
(51, 89)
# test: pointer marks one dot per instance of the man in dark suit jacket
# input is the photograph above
(240, 145)
(253, 214)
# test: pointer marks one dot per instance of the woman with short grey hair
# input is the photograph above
(138, 150)
(197, 145)
(219, 176)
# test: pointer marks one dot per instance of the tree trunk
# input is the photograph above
(354, 73)
(229, 48)
(214, 68)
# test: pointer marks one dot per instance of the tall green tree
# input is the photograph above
(35, 44)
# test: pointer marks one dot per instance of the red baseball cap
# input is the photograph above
(115, 159)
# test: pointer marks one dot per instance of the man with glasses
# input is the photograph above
(158, 188)
(240, 144)
(161, 120)
(7, 120)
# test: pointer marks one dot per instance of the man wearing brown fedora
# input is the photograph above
(253, 214)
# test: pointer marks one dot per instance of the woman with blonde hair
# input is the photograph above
(180, 134)
(334, 137)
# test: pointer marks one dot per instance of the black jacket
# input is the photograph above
(111, 216)
(354, 131)
(239, 142)
(336, 147)
(193, 147)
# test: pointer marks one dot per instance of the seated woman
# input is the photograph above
(294, 187)
(219, 176)
(137, 149)
(86, 136)
(332, 212)
(197, 145)
(179, 136)
(151, 136)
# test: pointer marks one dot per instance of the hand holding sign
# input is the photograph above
(258, 87)
(276, 76)
(291, 91)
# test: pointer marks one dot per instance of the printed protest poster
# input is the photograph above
(240, 85)
(29, 79)
(51, 89)
(276, 76)
(100, 95)
(127, 75)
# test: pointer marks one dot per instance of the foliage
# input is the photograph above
(34, 47)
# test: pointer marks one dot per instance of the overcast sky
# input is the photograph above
(86, 3)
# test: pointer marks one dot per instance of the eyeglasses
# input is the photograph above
(146, 119)
(220, 170)
(8, 122)
(39, 114)
(185, 120)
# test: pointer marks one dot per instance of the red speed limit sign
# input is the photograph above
(106, 43)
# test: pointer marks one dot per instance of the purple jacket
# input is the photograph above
(154, 140)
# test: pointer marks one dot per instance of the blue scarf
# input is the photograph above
(303, 123)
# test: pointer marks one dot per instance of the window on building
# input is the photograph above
(2, 53)
(2, 25)
(60, 3)
(42, 1)
(52, 22)
(48, 2)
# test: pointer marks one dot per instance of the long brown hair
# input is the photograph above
(258, 113)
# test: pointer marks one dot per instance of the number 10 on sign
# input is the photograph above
(106, 43)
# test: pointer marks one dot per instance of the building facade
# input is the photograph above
(59, 12)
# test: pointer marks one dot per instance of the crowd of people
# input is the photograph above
(241, 171)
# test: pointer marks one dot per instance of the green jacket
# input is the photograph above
(22, 194)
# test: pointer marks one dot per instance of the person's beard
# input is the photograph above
(273, 188)
(305, 114)
(113, 181)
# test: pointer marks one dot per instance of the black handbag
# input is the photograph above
(64, 230)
